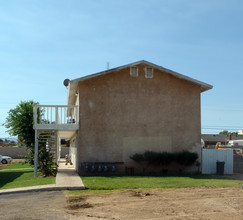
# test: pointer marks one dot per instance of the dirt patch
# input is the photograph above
(191, 203)
(77, 203)
(79, 206)
(13, 161)
(139, 194)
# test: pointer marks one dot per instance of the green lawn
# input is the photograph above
(18, 165)
(22, 178)
(157, 182)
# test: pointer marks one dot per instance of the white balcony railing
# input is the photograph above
(63, 117)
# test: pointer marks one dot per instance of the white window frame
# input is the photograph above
(132, 72)
(148, 76)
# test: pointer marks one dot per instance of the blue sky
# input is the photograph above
(43, 42)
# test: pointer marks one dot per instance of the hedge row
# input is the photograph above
(184, 158)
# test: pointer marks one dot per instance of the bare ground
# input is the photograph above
(196, 203)
(191, 203)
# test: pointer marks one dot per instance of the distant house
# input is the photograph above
(240, 132)
(126, 110)
(210, 140)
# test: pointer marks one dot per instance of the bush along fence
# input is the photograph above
(163, 159)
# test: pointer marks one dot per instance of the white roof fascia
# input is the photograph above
(72, 89)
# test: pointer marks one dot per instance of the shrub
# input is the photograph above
(186, 158)
(152, 158)
(45, 163)
(137, 158)
(167, 158)
(158, 158)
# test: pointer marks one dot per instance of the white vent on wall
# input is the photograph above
(134, 71)
(149, 72)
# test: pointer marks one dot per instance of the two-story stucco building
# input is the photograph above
(130, 109)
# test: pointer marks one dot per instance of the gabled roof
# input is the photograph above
(214, 137)
(74, 83)
(220, 137)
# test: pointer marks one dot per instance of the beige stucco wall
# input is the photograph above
(121, 115)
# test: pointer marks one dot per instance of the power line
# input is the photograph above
(220, 129)
(222, 126)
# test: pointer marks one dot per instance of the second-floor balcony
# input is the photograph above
(56, 117)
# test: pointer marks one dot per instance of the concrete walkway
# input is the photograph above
(66, 179)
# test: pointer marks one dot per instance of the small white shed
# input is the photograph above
(210, 158)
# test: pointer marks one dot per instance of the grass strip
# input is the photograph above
(22, 178)
(17, 165)
(157, 182)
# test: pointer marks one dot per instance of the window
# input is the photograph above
(134, 71)
(149, 72)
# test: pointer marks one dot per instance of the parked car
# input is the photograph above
(5, 159)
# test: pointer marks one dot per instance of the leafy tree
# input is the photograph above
(225, 132)
(1, 140)
(20, 123)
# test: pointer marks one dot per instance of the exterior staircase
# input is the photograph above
(48, 139)
(51, 124)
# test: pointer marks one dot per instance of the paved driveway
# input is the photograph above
(34, 205)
